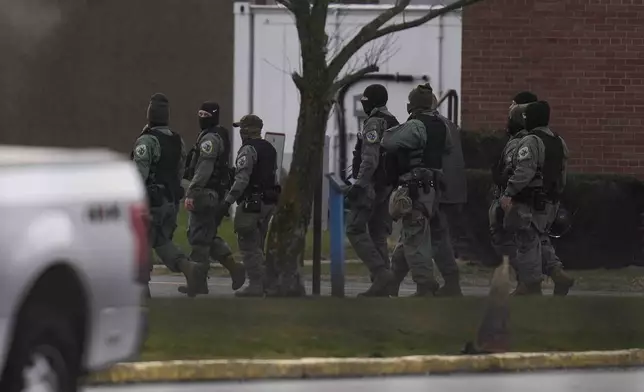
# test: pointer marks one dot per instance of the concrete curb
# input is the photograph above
(249, 369)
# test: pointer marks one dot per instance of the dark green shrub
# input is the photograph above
(607, 219)
(482, 149)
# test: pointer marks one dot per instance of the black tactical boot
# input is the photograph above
(192, 272)
(254, 289)
(563, 282)
(451, 288)
(236, 270)
(381, 284)
(272, 286)
(394, 286)
(426, 289)
(201, 279)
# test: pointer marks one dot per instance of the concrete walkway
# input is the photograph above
(166, 286)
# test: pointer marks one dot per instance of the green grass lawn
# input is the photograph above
(250, 328)
(226, 232)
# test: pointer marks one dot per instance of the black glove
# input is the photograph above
(222, 210)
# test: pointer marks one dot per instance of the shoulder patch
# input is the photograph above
(241, 161)
(524, 153)
(206, 147)
(141, 150)
(371, 136)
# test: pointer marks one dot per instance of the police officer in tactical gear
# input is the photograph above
(159, 155)
(256, 191)
(368, 222)
(531, 199)
(451, 196)
(211, 178)
(418, 145)
(503, 239)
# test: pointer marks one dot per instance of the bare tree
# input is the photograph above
(318, 83)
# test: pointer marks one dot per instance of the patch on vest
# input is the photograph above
(372, 136)
(241, 162)
(524, 153)
(141, 150)
(206, 147)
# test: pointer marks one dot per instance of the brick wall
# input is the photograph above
(586, 57)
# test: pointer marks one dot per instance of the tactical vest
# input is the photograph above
(165, 171)
(432, 156)
(222, 175)
(263, 177)
(553, 163)
(387, 165)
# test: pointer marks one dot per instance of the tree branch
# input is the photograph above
(286, 3)
(353, 77)
(424, 19)
(363, 37)
(373, 31)
(298, 80)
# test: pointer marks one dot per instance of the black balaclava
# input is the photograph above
(158, 110)
(211, 108)
(537, 115)
(421, 98)
(374, 96)
(521, 98)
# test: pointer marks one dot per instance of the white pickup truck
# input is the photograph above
(73, 265)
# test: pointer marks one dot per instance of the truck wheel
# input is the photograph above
(44, 356)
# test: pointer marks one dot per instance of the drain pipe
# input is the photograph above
(340, 113)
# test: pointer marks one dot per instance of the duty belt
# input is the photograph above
(418, 183)
(414, 185)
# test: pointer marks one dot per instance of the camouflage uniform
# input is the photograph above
(414, 249)
(368, 221)
(503, 239)
(208, 184)
(147, 154)
(419, 144)
(255, 209)
(534, 250)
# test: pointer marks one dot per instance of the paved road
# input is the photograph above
(166, 286)
(588, 381)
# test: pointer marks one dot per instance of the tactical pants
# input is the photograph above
(251, 229)
(368, 227)
(177, 208)
(414, 249)
(503, 240)
(202, 230)
(162, 226)
(441, 245)
(549, 259)
(528, 227)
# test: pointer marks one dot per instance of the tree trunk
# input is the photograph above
(291, 221)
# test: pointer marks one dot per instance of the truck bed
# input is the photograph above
(25, 155)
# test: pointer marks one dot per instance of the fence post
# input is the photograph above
(336, 232)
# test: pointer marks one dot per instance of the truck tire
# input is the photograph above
(44, 353)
